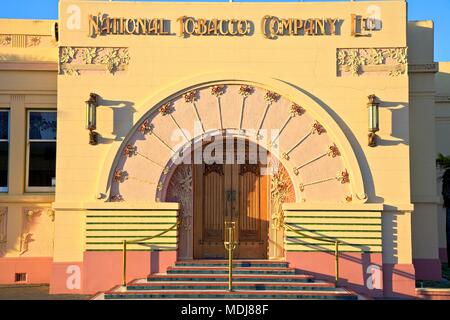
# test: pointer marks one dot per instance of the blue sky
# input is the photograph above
(436, 10)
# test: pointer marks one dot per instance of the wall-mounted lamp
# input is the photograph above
(91, 118)
(374, 119)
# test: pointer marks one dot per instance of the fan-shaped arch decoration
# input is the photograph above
(292, 134)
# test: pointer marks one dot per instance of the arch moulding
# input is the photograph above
(165, 95)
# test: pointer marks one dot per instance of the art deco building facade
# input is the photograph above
(344, 99)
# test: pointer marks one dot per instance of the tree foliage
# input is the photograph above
(443, 162)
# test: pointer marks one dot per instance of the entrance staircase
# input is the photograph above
(208, 279)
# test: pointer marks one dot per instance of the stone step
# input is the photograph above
(236, 263)
(224, 270)
(337, 294)
(236, 277)
(139, 285)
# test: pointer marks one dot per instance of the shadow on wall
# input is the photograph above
(400, 123)
(393, 277)
(122, 119)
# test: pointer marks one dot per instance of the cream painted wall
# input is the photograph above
(307, 63)
(28, 68)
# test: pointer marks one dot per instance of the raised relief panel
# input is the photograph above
(37, 232)
(26, 41)
(372, 61)
(81, 60)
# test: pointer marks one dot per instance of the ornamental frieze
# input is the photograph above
(81, 60)
(372, 61)
(26, 41)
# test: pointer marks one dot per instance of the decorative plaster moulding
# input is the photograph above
(74, 61)
(26, 41)
(372, 61)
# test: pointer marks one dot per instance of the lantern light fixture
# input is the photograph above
(91, 118)
(373, 107)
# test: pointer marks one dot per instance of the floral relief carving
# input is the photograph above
(113, 58)
(190, 96)
(218, 90)
(387, 61)
(5, 41)
(281, 191)
(67, 55)
(333, 151)
(88, 55)
(343, 177)
(271, 97)
(34, 41)
(70, 71)
(145, 127)
(25, 239)
(75, 60)
(166, 109)
(30, 215)
(129, 150)
(376, 57)
(120, 175)
(296, 110)
(246, 90)
(180, 190)
(51, 214)
(318, 128)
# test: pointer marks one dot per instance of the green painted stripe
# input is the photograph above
(143, 250)
(324, 230)
(334, 210)
(334, 224)
(103, 223)
(131, 210)
(355, 238)
(331, 244)
(143, 236)
(330, 217)
(130, 216)
(140, 243)
(127, 230)
(340, 251)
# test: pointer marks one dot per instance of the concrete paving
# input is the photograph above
(34, 292)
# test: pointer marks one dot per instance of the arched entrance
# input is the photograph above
(230, 178)
(230, 189)
(314, 165)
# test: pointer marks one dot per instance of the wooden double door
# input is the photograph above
(230, 192)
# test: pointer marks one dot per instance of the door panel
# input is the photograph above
(230, 192)
(211, 209)
(252, 221)
(213, 203)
